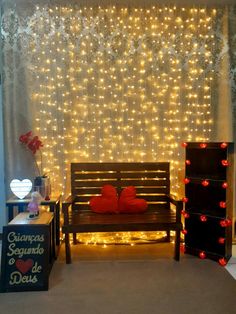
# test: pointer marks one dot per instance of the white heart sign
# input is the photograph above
(21, 188)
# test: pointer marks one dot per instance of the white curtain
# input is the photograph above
(113, 82)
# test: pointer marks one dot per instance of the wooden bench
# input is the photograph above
(152, 182)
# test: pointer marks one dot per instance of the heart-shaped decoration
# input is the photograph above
(21, 188)
(24, 266)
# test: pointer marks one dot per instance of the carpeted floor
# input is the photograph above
(133, 280)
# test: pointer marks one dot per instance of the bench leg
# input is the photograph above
(74, 238)
(177, 245)
(168, 236)
(67, 247)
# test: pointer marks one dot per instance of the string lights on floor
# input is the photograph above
(121, 238)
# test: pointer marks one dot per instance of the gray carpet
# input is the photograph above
(105, 284)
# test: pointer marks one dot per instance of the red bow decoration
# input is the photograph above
(24, 138)
(33, 144)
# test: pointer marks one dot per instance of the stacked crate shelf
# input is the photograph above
(209, 200)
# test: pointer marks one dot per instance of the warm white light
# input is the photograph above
(119, 84)
(21, 188)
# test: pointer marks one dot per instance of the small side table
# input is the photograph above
(16, 206)
(28, 253)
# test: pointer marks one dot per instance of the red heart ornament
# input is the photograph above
(223, 145)
(222, 261)
(222, 204)
(182, 248)
(24, 266)
(185, 199)
(107, 202)
(223, 223)
(203, 218)
(186, 180)
(185, 214)
(229, 222)
(224, 185)
(224, 162)
(129, 202)
(202, 255)
(205, 183)
(221, 240)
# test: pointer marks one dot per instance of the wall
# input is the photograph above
(2, 173)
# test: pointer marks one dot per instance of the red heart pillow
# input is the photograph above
(128, 203)
(107, 203)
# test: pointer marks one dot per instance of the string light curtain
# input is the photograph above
(112, 83)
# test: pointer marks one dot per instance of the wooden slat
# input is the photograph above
(95, 175)
(148, 198)
(165, 226)
(119, 175)
(123, 222)
(146, 177)
(154, 182)
(140, 183)
(148, 217)
(139, 191)
(119, 166)
(84, 206)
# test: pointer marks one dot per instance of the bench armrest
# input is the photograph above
(178, 204)
(174, 200)
(69, 200)
(65, 208)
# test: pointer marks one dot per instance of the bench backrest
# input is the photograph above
(151, 180)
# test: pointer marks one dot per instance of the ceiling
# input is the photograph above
(185, 3)
(157, 2)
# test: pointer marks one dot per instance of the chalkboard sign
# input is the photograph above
(25, 257)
